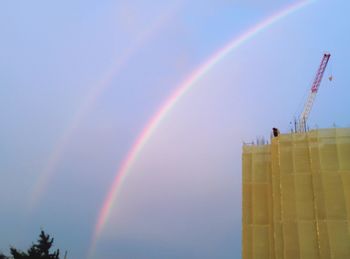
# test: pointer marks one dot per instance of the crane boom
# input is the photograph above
(314, 88)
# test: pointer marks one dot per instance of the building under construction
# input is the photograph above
(296, 192)
(296, 196)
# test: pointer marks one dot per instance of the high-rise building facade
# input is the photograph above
(296, 196)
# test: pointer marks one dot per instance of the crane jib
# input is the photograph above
(314, 88)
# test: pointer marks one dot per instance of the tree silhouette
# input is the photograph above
(40, 250)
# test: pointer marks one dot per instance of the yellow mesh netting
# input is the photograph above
(296, 196)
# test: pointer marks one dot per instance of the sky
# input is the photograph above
(80, 81)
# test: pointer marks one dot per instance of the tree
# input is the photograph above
(40, 250)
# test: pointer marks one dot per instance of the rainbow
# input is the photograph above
(91, 98)
(180, 91)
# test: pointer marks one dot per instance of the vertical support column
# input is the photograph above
(247, 208)
(276, 199)
(331, 171)
(257, 203)
(292, 166)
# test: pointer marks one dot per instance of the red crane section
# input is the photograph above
(314, 88)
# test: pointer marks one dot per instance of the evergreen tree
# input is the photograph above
(40, 250)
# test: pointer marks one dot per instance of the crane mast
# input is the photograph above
(314, 88)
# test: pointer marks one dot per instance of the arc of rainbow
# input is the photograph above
(172, 100)
(92, 96)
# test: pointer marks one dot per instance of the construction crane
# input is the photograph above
(301, 123)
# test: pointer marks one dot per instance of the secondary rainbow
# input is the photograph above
(91, 98)
(180, 91)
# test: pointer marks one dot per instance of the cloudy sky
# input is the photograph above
(81, 80)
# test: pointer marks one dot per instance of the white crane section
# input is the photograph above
(314, 88)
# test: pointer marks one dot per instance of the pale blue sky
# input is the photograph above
(182, 196)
